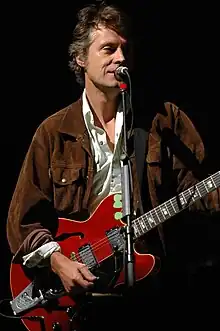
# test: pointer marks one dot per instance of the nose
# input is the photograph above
(119, 56)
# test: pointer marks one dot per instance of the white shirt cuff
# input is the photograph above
(35, 258)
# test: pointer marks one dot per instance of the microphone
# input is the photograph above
(121, 72)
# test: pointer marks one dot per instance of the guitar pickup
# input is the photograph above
(87, 257)
(115, 238)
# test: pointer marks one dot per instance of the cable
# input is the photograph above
(130, 101)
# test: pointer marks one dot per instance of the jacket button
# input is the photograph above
(63, 180)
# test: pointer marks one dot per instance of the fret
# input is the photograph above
(193, 193)
(170, 208)
(143, 224)
(202, 189)
(160, 219)
(155, 217)
(213, 181)
(187, 196)
(176, 204)
(197, 188)
(182, 200)
(140, 230)
(216, 178)
(160, 214)
(208, 185)
(137, 233)
(165, 211)
(145, 220)
(172, 204)
(151, 221)
(179, 206)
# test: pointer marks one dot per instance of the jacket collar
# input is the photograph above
(72, 122)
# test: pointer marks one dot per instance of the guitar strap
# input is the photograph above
(140, 146)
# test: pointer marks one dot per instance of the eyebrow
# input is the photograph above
(107, 43)
(112, 43)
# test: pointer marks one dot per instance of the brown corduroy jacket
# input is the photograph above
(57, 174)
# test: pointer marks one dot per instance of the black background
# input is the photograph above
(177, 52)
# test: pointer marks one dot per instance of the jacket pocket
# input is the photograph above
(67, 184)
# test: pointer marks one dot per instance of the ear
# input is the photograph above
(80, 61)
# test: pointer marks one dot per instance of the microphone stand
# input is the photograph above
(126, 198)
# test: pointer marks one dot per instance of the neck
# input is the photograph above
(104, 103)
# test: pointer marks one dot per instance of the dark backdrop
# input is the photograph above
(176, 52)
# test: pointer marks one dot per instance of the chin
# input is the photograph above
(114, 84)
(108, 86)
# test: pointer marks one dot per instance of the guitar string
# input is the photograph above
(104, 241)
(97, 246)
(101, 243)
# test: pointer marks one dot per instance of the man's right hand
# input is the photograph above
(72, 274)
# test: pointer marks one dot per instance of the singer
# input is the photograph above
(73, 164)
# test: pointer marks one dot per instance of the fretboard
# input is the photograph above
(168, 209)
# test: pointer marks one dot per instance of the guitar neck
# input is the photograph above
(170, 208)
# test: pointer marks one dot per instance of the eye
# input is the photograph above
(109, 49)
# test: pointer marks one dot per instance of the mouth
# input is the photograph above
(111, 73)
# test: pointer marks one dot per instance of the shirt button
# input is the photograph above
(101, 142)
(63, 180)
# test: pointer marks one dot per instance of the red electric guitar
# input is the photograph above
(38, 296)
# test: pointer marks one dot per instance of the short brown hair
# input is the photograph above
(89, 18)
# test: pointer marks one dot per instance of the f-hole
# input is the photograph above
(64, 236)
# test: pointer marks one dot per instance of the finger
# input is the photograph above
(67, 287)
(87, 274)
(78, 279)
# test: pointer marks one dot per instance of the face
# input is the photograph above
(105, 54)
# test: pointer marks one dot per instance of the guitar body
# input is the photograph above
(97, 242)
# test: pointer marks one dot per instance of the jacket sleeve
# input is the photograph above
(32, 220)
(189, 163)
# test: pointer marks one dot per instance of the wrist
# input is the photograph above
(54, 260)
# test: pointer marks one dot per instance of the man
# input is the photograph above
(73, 161)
